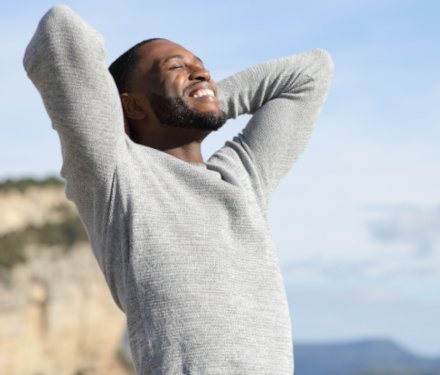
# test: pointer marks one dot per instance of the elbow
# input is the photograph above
(320, 70)
(43, 39)
(59, 33)
(57, 15)
(58, 18)
(324, 65)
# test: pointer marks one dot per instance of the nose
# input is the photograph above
(200, 74)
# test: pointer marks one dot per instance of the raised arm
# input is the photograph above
(66, 62)
(285, 97)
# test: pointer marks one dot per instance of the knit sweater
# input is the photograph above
(185, 248)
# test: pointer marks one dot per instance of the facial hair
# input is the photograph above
(175, 112)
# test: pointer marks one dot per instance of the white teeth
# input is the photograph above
(203, 92)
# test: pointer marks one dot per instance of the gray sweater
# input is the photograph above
(185, 248)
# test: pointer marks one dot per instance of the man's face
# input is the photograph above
(179, 88)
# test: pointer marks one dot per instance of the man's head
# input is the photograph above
(164, 85)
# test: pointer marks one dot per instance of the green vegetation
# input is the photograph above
(11, 249)
(62, 234)
(59, 235)
(24, 183)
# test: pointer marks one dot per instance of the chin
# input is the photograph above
(178, 113)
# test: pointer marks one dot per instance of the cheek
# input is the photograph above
(166, 85)
(155, 86)
(173, 86)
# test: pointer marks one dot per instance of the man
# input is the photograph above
(184, 243)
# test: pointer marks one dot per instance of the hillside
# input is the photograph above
(56, 313)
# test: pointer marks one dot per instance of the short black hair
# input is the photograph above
(124, 65)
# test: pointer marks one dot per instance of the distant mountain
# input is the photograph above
(366, 357)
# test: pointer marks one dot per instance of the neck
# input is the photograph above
(190, 153)
(183, 143)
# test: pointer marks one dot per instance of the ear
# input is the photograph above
(133, 107)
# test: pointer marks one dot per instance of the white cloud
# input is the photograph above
(419, 227)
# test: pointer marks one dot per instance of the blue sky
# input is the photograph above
(357, 220)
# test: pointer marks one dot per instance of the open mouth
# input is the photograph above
(202, 93)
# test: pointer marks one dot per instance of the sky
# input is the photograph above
(357, 220)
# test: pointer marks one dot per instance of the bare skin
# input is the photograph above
(168, 70)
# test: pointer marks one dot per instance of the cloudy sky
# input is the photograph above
(357, 220)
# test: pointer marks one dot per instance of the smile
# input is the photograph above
(200, 93)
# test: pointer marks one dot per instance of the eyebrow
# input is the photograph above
(178, 56)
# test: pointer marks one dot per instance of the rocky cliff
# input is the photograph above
(56, 313)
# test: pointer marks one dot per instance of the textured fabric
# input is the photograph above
(185, 248)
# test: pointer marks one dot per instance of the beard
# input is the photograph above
(175, 112)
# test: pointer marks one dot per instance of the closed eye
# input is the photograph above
(174, 67)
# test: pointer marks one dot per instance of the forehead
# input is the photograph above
(154, 53)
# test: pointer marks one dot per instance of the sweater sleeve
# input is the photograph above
(285, 97)
(66, 62)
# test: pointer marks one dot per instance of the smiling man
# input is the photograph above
(184, 243)
(162, 83)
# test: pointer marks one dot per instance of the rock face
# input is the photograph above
(56, 313)
(33, 206)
